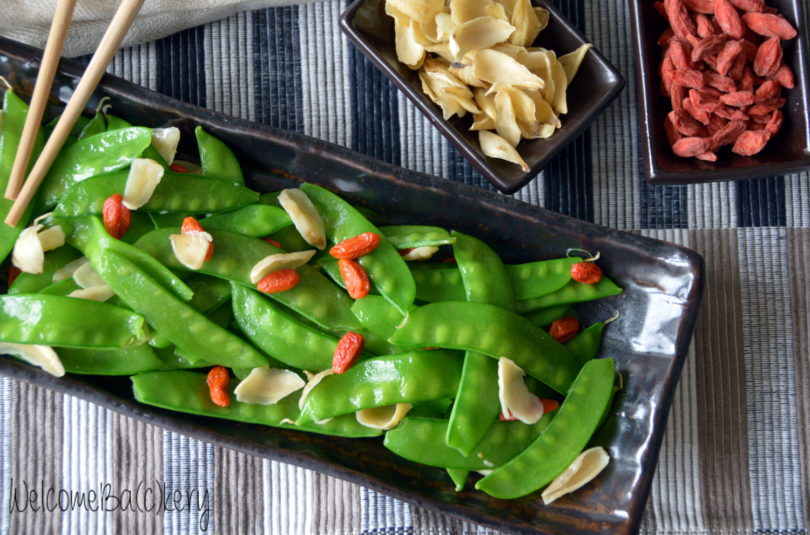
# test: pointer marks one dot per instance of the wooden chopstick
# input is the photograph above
(47, 71)
(92, 75)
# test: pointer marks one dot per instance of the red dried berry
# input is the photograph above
(770, 25)
(355, 278)
(116, 216)
(279, 281)
(586, 273)
(565, 329)
(751, 142)
(218, 380)
(348, 350)
(353, 248)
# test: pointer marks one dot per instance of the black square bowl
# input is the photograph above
(662, 288)
(788, 151)
(595, 86)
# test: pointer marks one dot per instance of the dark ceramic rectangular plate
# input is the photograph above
(596, 85)
(788, 151)
(649, 341)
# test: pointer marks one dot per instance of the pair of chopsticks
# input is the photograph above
(107, 48)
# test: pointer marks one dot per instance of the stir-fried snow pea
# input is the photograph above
(377, 315)
(546, 316)
(88, 235)
(385, 267)
(290, 239)
(116, 123)
(540, 278)
(209, 292)
(458, 476)
(177, 192)
(126, 361)
(573, 292)
(422, 440)
(140, 224)
(280, 335)
(55, 320)
(216, 158)
(408, 236)
(181, 324)
(96, 125)
(564, 438)
(315, 297)
(439, 284)
(493, 331)
(477, 405)
(92, 156)
(27, 283)
(11, 126)
(585, 345)
(381, 381)
(63, 287)
(185, 391)
(257, 220)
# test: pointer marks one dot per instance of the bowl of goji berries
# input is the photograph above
(723, 88)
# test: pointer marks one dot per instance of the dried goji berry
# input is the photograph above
(672, 133)
(738, 99)
(768, 90)
(732, 114)
(685, 124)
(769, 57)
(677, 93)
(728, 19)
(348, 350)
(705, 28)
(770, 25)
(728, 134)
(177, 168)
(667, 69)
(117, 217)
(688, 147)
(720, 82)
(689, 78)
(355, 247)
(708, 46)
(766, 106)
(704, 100)
(549, 404)
(192, 225)
(665, 36)
(751, 142)
(279, 281)
(586, 272)
(708, 156)
(678, 51)
(701, 114)
(784, 75)
(13, 273)
(218, 380)
(679, 18)
(749, 49)
(700, 6)
(748, 81)
(565, 329)
(726, 57)
(737, 68)
(775, 122)
(272, 242)
(355, 278)
(749, 5)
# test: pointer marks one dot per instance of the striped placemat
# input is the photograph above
(735, 458)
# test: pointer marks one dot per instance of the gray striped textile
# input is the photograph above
(736, 456)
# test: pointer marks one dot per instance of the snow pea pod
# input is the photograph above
(27, 283)
(116, 123)
(177, 192)
(315, 297)
(257, 220)
(422, 440)
(493, 331)
(92, 156)
(96, 125)
(482, 273)
(280, 335)
(55, 320)
(572, 292)
(564, 438)
(209, 292)
(385, 267)
(408, 236)
(381, 381)
(377, 315)
(585, 345)
(186, 391)
(439, 284)
(290, 240)
(459, 477)
(126, 361)
(216, 159)
(546, 316)
(63, 287)
(185, 327)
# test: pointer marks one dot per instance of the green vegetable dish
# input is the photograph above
(293, 309)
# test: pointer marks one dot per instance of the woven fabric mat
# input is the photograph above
(735, 459)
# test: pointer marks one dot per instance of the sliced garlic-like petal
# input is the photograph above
(98, 293)
(67, 271)
(419, 10)
(144, 177)
(542, 110)
(51, 238)
(384, 418)
(466, 10)
(274, 262)
(571, 61)
(87, 277)
(43, 356)
(463, 96)
(486, 102)
(495, 146)
(584, 469)
(28, 255)
(475, 34)
(505, 117)
(560, 102)
(496, 11)
(191, 248)
(538, 61)
(409, 50)
(482, 121)
(514, 396)
(542, 15)
(501, 69)
(442, 50)
(312, 383)
(267, 386)
(420, 253)
(304, 216)
(466, 73)
(509, 6)
(165, 140)
(526, 24)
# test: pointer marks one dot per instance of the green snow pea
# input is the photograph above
(493, 331)
(63, 287)
(11, 126)
(315, 297)
(88, 235)
(422, 440)
(209, 292)
(561, 442)
(572, 292)
(585, 345)
(185, 327)
(116, 123)
(482, 273)
(381, 381)
(257, 220)
(96, 125)
(377, 315)
(534, 279)
(546, 316)
(216, 159)
(290, 240)
(177, 192)
(92, 156)
(186, 391)
(152, 153)
(139, 225)
(458, 476)
(28, 283)
(280, 335)
(126, 361)
(55, 320)
(385, 267)
(439, 284)
(408, 236)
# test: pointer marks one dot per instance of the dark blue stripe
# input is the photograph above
(761, 202)
(663, 206)
(277, 68)
(181, 66)
(460, 170)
